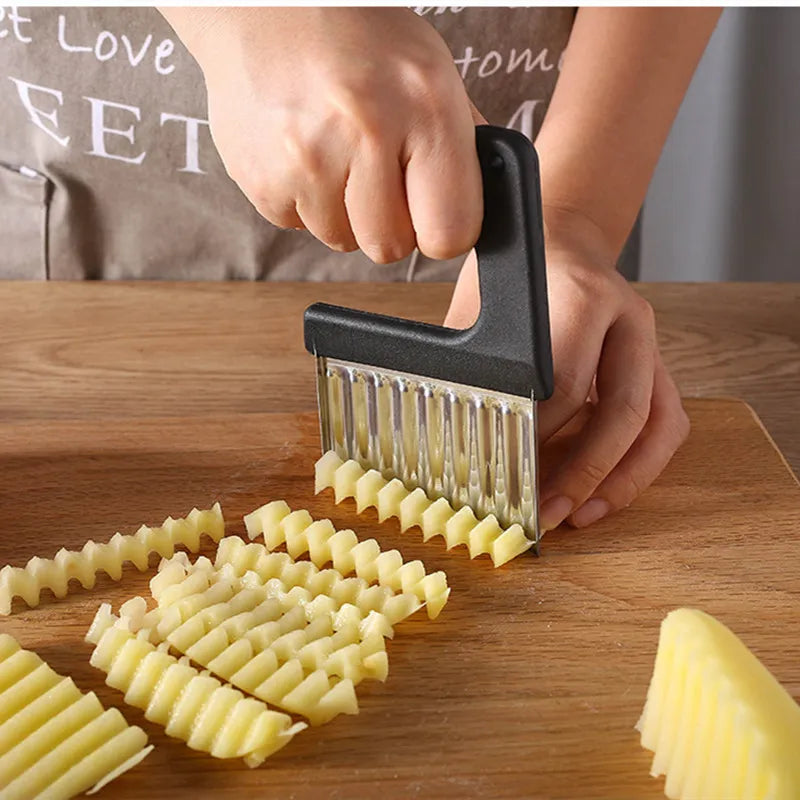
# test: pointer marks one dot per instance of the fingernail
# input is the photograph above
(554, 511)
(591, 511)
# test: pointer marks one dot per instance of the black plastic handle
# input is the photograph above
(508, 347)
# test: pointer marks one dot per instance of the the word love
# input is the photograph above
(107, 45)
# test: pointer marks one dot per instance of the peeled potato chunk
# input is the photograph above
(719, 724)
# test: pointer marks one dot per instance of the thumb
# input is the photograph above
(465, 304)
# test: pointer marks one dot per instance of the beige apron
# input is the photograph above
(107, 168)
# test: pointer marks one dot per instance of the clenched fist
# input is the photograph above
(350, 122)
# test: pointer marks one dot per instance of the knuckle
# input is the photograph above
(254, 183)
(386, 252)
(355, 114)
(635, 408)
(445, 242)
(308, 162)
(337, 240)
(301, 155)
(644, 312)
(282, 216)
(326, 219)
(680, 428)
(684, 426)
(632, 485)
(370, 135)
(591, 473)
(570, 386)
(675, 420)
(425, 80)
(283, 220)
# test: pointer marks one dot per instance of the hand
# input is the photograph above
(605, 353)
(350, 122)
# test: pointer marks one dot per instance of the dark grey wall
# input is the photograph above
(724, 203)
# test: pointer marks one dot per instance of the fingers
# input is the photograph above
(370, 204)
(465, 305)
(318, 184)
(444, 187)
(437, 205)
(376, 207)
(327, 221)
(303, 187)
(282, 214)
(279, 202)
(383, 194)
(666, 429)
(624, 382)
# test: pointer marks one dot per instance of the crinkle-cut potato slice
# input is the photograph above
(283, 627)
(280, 525)
(414, 508)
(285, 648)
(719, 724)
(182, 588)
(194, 707)
(83, 565)
(55, 741)
(279, 570)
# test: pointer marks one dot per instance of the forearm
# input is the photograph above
(188, 21)
(625, 73)
(204, 30)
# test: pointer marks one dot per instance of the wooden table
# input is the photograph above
(122, 403)
(92, 351)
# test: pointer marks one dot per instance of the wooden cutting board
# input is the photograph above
(529, 683)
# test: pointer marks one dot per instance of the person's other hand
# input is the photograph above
(350, 122)
(604, 352)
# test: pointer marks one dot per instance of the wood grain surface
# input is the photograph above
(529, 683)
(112, 350)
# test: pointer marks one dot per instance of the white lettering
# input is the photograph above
(483, 70)
(540, 61)
(100, 129)
(438, 10)
(163, 51)
(107, 45)
(135, 60)
(37, 116)
(105, 36)
(16, 24)
(522, 119)
(466, 61)
(493, 61)
(192, 138)
(62, 38)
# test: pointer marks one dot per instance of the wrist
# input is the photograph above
(581, 195)
(570, 231)
(208, 31)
